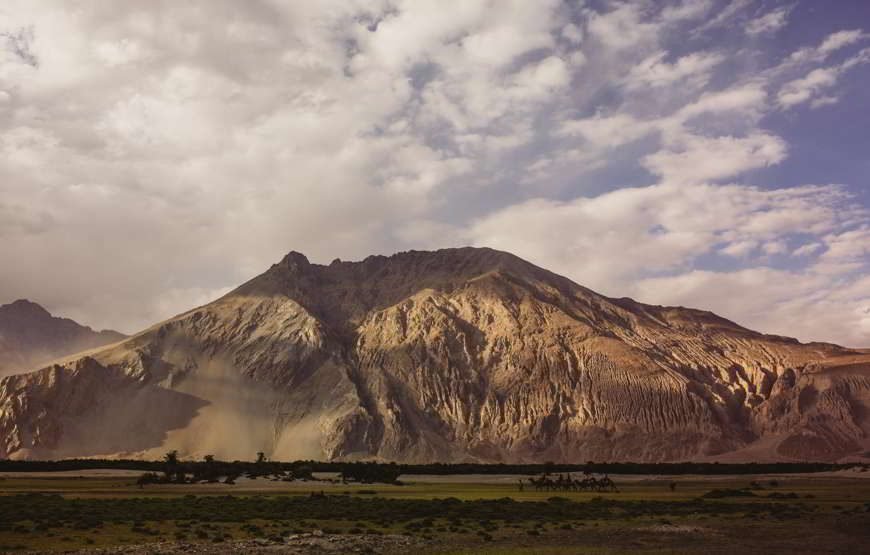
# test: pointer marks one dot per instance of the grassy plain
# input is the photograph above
(461, 514)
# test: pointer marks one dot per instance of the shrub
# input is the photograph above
(721, 493)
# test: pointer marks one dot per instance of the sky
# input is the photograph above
(704, 153)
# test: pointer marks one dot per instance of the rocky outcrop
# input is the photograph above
(453, 355)
(31, 337)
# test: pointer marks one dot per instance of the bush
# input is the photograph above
(148, 478)
(777, 495)
(721, 493)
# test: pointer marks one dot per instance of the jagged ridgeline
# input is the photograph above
(457, 355)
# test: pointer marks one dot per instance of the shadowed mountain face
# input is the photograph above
(453, 355)
(30, 337)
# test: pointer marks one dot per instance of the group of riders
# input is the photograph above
(567, 482)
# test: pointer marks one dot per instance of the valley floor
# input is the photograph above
(105, 512)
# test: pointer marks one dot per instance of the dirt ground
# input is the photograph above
(93, 512)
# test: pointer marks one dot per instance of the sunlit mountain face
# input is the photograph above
(453, 355)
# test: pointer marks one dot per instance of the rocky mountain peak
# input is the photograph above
(25, 307)
(30, 335)
(294, 261)
(343, 292)
(406, 270)
(450, 355)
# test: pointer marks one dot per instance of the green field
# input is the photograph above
(461, 514)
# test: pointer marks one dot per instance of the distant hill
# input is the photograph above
(31, 337)
(454, 355)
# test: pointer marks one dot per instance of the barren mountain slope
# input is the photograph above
(30, 337)
(459, 354)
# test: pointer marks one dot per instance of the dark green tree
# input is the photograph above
(171, 458)
(170, 464)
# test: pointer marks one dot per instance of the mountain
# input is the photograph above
(31, 337)
(454, 355)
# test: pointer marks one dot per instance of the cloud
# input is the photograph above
(154, 155)
(838, 40)
(121, 52)
(808, 249)
(19, 45)
(691, 69)
(192, 156)
(832, 43)
(541, 80)
(607, 131)
(769, 22)
(696, 159)
(660, 227)
(815, 304)
(501, 45)
(661, 233)
(747, 99)
(17, 220)
(762, 298)
(572, 33)
(846, 251)
(622, 27)
(725, 16)
(810, 87)
(801, 90)
(680, 145)
(686, 10)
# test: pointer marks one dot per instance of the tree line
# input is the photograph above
(381, 471)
